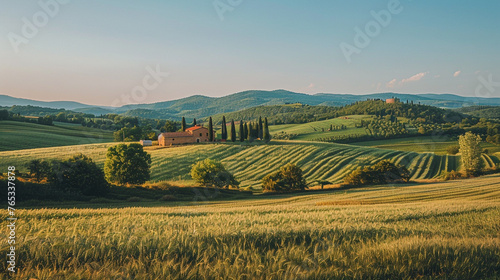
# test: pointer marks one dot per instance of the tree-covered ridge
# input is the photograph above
(300, 113)
(488, 112)
(282, 114)
(409, 110)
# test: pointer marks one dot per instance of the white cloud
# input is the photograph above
(457, 73)
(414, 78)
(311, 85)
(391, 84)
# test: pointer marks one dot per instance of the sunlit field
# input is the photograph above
(249, 163)
(19, 135)
(444, 230)
(422, 144)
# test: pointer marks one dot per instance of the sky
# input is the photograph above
(119, 52)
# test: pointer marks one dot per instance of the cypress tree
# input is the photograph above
(245, 130)
(242, 132)
(183, 125)
(250, 134)
(210, 130)
(233, 131)
(255, 130)
(194, 122)
(266, 134)
(261, 129)
(224, 129)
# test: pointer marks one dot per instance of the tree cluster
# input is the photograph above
(288, 178)
(212, 173)
(254, 130)
(381, 173)
(78, 174)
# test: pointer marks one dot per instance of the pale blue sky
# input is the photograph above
(97, 52)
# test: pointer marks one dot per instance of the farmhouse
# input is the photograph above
(195, 134)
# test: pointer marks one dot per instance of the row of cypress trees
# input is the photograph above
(247, 130)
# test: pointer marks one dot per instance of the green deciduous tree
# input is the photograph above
(129, 134)
(4, 115)
(80, 174)
(470, 150)
(381, 173)
(127, 164)
(38, 169)
(211, 173)
(288, 178)
(169, 126)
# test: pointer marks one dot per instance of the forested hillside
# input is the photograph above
(488, 112)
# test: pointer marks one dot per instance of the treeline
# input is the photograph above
(382, 128)
(6, 115)
(409, 110)
(300, 113)
(78, 177)
(247, 131)
(489, 112)
(283, 114)
(387, 127)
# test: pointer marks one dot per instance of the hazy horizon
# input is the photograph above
(104, 105)
(118, 52)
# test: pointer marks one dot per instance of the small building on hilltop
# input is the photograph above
(392, 100)
(195, 134)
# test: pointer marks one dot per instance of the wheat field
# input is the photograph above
(444, 230)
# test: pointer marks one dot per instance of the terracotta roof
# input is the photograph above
(194, 128)
(176, 134)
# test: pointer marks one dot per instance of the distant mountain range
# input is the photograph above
(198, 106)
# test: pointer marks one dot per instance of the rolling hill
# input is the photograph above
(6, 100)
(20, 135)
(199, 106)
(250, 163)
(489, 112)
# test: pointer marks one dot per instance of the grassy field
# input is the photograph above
(423, 144)
(20, 135)
(250, 163)
(313, 130)
(445, 230)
